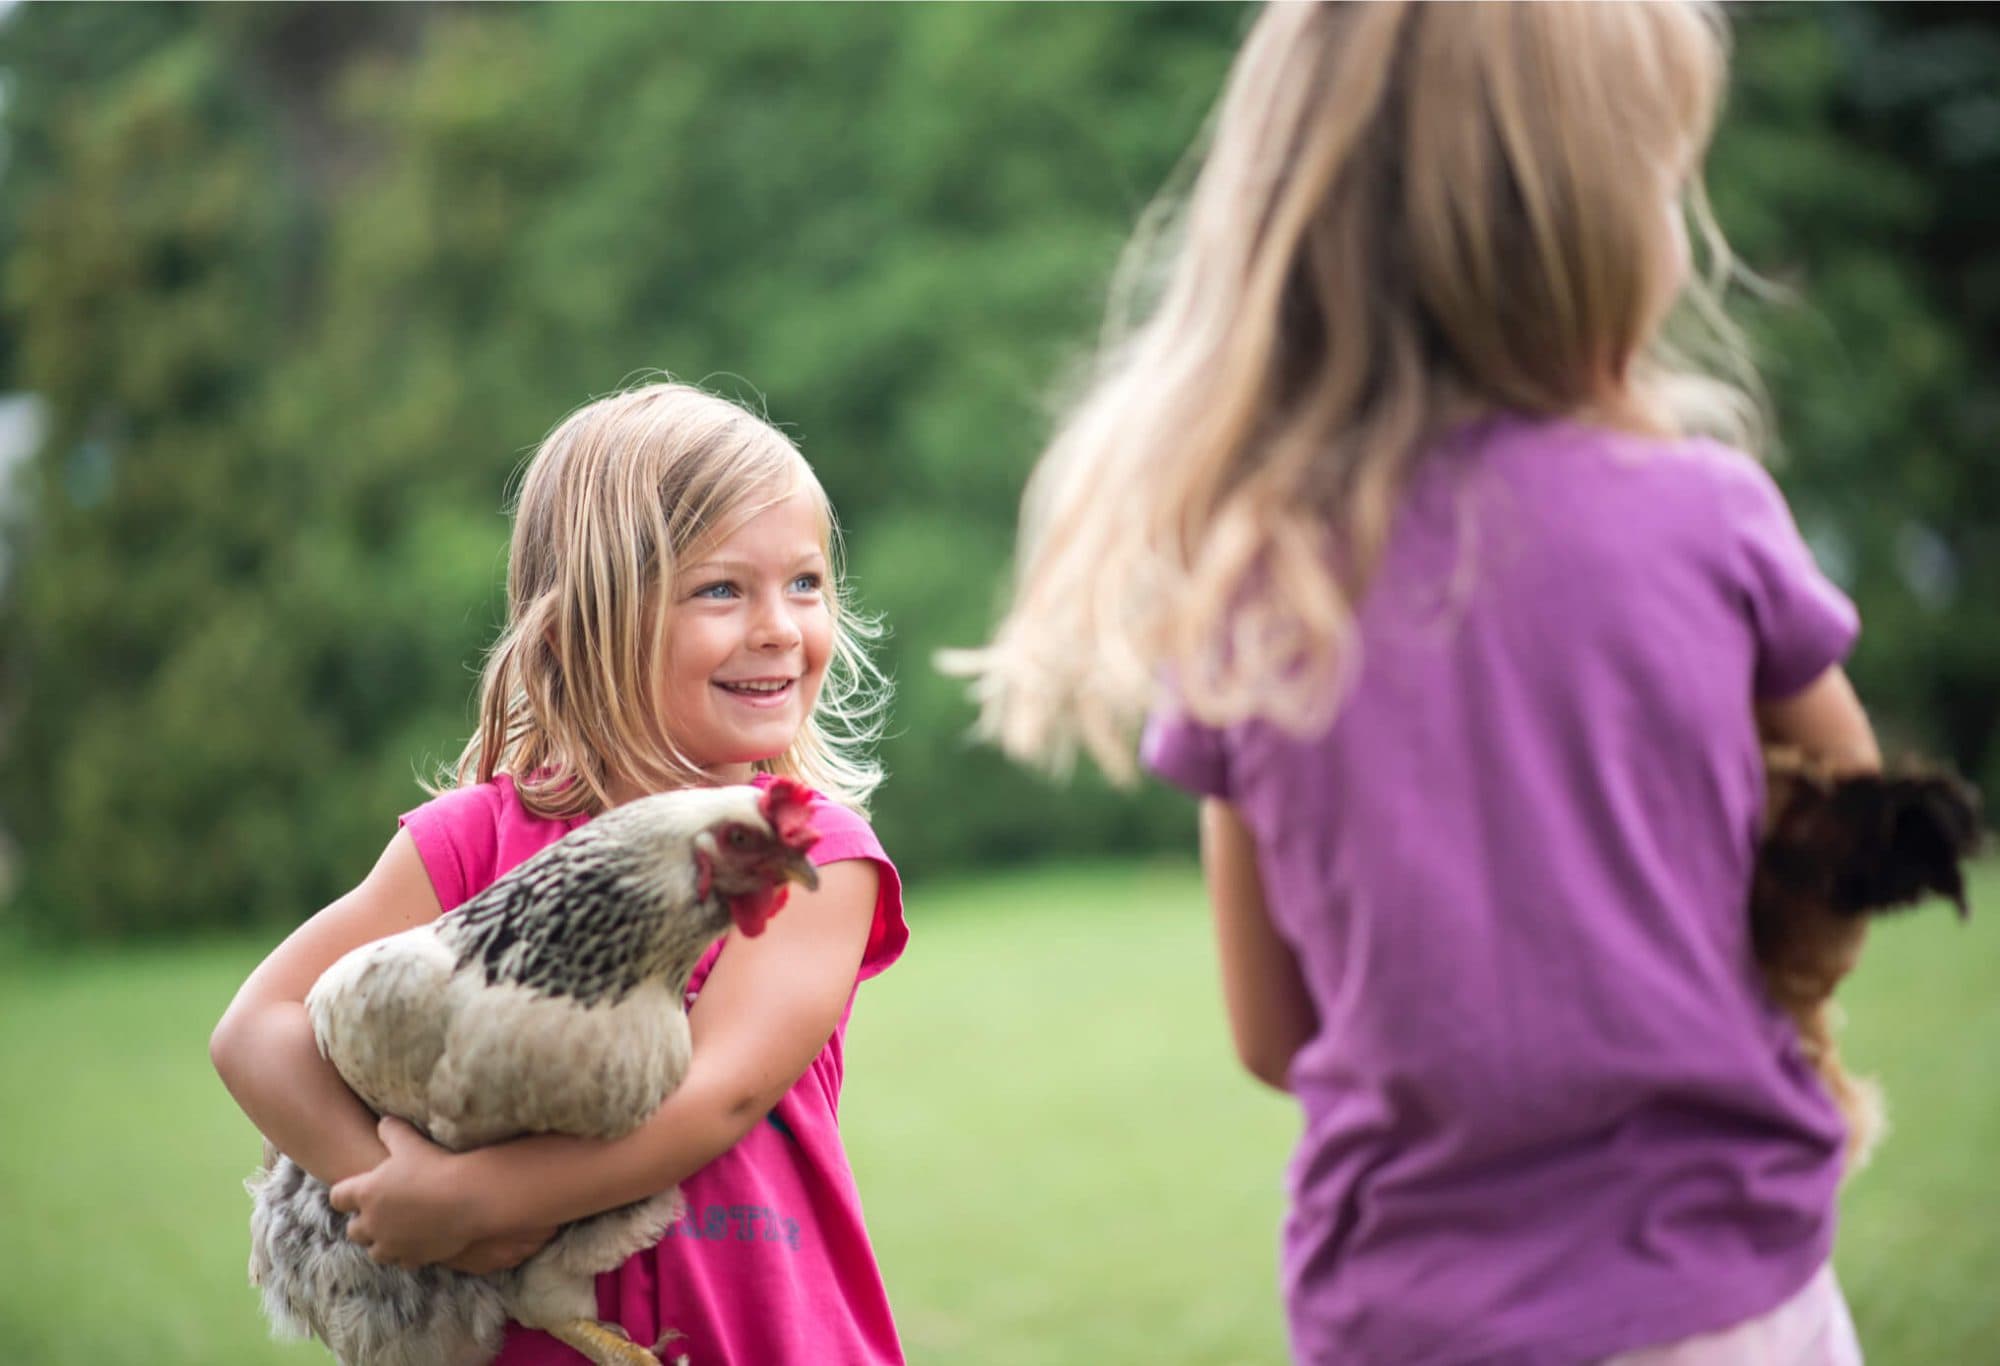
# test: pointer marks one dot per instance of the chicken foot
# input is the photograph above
(606, 1344)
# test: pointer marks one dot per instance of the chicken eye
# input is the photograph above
(738, 837)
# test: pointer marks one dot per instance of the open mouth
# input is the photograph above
(762, 692)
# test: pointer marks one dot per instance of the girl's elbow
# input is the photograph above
(232, 1044)
(225, 1045)
(743, 1110)
(725, 1108)
(1268, 1063)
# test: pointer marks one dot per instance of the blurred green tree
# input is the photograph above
(1859, 168)
(302, 286)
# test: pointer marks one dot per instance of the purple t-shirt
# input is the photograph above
(1549, 1113)
(771, 1265)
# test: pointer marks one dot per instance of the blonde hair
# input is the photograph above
(1408, 215)
(618, 494)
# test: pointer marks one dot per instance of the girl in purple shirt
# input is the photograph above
(1393, 515)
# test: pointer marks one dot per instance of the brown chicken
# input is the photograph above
(1838, 850)
(550, 1003)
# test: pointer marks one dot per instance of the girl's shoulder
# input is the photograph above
(845, 833)
(1703, 465)
(468, 836)
(1534, 439)
(1637, 504)
(1687, 491)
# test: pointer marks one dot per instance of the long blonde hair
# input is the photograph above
(1408, 214)
(615, 497)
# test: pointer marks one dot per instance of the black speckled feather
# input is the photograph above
(581, 919)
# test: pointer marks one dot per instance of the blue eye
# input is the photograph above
(715, 591)
(806, 583)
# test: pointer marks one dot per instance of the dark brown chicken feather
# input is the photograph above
(1838, 850)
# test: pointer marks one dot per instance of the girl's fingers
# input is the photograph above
(342, 1197)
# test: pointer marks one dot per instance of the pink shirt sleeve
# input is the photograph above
(457, 835)
(845, 835)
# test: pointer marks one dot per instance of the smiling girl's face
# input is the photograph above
(747, 639)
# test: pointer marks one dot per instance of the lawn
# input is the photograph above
(1059, 1162)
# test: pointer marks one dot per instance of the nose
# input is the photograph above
(772, 626)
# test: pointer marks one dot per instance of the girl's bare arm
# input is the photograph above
(1824, 719)
(263, 1046)
(1270, 1013)
(766, 1010)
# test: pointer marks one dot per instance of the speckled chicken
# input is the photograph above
(1836, 851)
(550, 1003)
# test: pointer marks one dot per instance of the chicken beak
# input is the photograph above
(798, 868)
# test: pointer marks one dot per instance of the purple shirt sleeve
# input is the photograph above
(1186, 753)
(1804, 623)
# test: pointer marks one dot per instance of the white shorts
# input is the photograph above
(1812, 1328)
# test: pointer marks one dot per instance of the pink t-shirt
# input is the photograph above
(771, 1264)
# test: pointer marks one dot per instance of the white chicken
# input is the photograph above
(552, 1002)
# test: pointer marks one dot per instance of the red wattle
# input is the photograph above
(753, 910)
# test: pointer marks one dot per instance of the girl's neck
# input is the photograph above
(725, 775)
(1617, 410)
(1621, 410)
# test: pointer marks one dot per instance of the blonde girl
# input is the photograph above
(674, 619)
(1392, 516)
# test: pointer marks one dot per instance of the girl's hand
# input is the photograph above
(502, 1252)
(409, 1210)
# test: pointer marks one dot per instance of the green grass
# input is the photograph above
(1059, 1161)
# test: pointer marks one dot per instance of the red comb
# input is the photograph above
(787, 805)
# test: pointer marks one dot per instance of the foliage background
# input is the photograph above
(298, 287)
(290, 291)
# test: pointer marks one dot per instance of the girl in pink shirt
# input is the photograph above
(1392, 514)
(674, 620)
